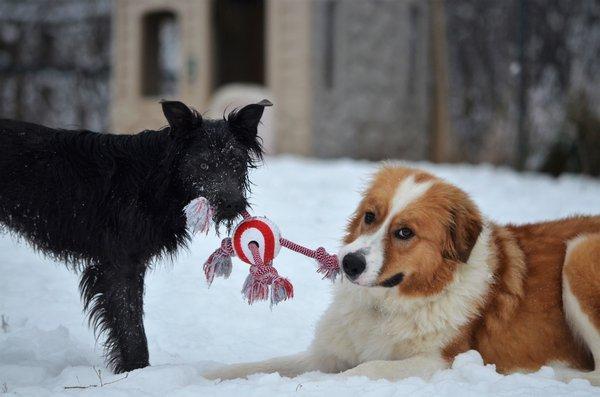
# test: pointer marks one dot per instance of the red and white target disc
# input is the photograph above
(263, 232)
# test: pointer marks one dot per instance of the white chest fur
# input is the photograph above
(364, 324)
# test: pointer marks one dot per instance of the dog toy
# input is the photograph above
(256, 241)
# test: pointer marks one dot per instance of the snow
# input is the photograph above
(45, 344)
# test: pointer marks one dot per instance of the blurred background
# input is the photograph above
(510, 82)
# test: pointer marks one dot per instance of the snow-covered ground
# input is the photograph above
(46, 346)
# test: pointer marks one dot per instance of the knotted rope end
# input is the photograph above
(264, 282)
(219, 263)
(329, 265)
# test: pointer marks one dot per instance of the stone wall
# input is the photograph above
(370, 79)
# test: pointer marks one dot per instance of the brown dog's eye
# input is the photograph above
(369, 218)
(404, 233)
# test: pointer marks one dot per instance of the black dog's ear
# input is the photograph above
(180, 117)
(245, 120)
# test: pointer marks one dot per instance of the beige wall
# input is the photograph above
(288, 67)
(289, 73)
(132, 112)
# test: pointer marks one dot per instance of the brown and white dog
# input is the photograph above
(431, 278)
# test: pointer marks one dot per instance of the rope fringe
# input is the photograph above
(198, 214)
(219, 263)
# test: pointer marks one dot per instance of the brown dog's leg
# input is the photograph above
(581, 296)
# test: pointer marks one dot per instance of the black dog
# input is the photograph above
(109, 205)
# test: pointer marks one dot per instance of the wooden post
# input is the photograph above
(439, 122)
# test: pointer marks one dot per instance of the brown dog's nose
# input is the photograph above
(354, 264)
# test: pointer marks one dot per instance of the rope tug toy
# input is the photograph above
(255, 240)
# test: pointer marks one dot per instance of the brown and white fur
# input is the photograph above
(522, 296)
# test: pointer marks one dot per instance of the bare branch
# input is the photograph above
(98, 373)
(4, 323)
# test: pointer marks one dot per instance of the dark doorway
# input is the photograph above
(161, 55)
(239, 35)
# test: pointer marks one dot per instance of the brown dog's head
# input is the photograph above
(410, 231)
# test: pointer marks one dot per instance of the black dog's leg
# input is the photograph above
(113, 297)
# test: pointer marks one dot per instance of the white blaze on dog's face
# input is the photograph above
(410, 231)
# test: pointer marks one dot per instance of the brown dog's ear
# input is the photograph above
(353, 225)
(463, 229)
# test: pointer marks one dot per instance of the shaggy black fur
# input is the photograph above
(108, 205)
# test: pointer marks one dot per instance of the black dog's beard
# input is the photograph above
(228, 224)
